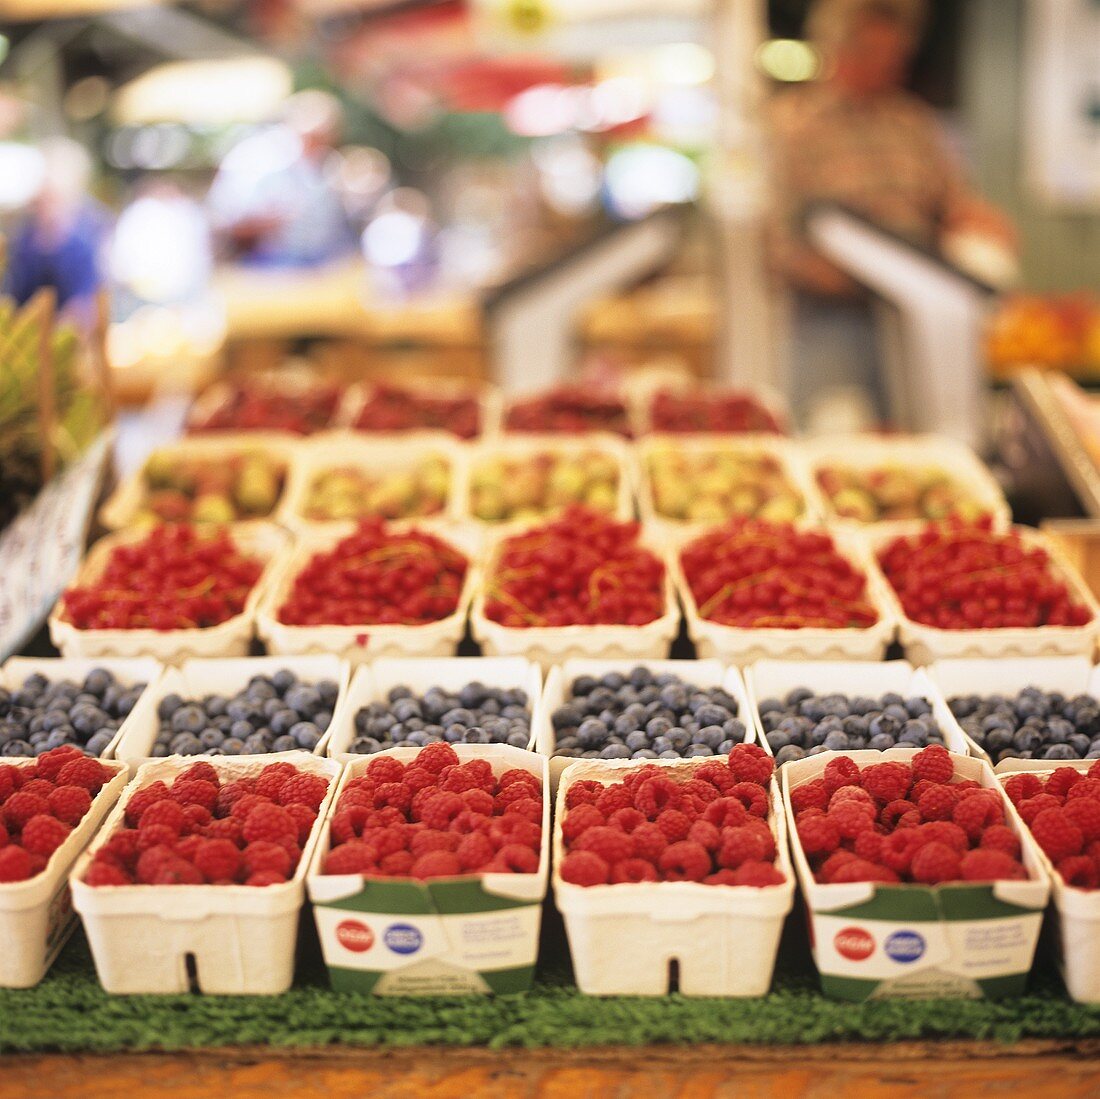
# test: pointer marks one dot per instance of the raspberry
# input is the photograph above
(750, 763)
(1086, 789)
(754, 798)
(674, 824)
(584, 868)
(655, 795)
(106, 873)
(227, 829)
(706, 834)
(417, 779)
(15, 864)
(609, 843)
(633, 870)
(482, 802)
(10, 781)
(4, 837)
(986, 864)
(755, 824)
(1085, 813)
(974, 814)
(810, 795)
(268, 822)
(156, 835)
(472, 775)
(937, 803)
(1079, 871)
(725, 812)
(243, 806)
(888, 781)
(898, 849)
(122, 847)
(1062, 781)
(613, 799)
(1057, 835)
(69, 803)
(649, 841)
(385, 818)
(999, 837)
(264, 878)
(436, 864)
(944, 831)
(271, 779)
(195, 791)
(195, 818)
(265, 855)
(388, 769)
(164, 812)
(518, 858)
(833, 863)
(862, 870)
(230, 794)
(527, 808)
(152, 861)
(396, 794)
(431, 840)
(200, 772)
(49, 764)
(1031, 808)
(37, 786)
(626, 820)
(43, 835)
(397, 864)
(1022, 786)
(517, 774)
(721, 877)
(467, 822)
(759, 875)
(440, 810)
(389, 840)
(515, 829)
(935, 862)
(933, 764)
(702, 792)
(354, 857)
(868, 846)
(839, 772)
(474, 851)
(899, 814)
(1094, 771)
(583, 792)
(188, 847)
(304, 817)
(738, 845)
(851, 818)
(434, 757)
(684, 861)
(818, 836)
(852, 793)
(217, 860)
(82, 771)
(714, 774)
(21, 806)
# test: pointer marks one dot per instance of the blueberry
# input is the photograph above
(241, 730)
(518, 740)
(271, 707)
(724, 748)
(365, 746)
(592, 733)
(282, 721)
(658, 726)
(1027, 740)
(711, 736)
(1080, 744)
(669, 755)
(212, 738)
(693, 750)
(615, 751)
(215, 705)
(186, 744)
(1059, 751)
(662, 744)
(284, 744)
(405, 708)
(97, 744)
(305, 701)
(283, 680)
(255, 745)
(644, 753)
(785, 755)
(233, 746)
(306, 734)
(188, 719)
(777, 739)
(322, 719)
(17, 748)
(637, 740)
(566, 717)
(880, 742)
(583, 685)
(260, 689)
(996, 740)
(836, 741)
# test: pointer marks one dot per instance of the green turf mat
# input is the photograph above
(70, 1012)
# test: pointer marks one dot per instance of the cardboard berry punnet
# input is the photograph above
(36, 915)
(478, 933)
(624, 938)
(224, 939)
(959, 939)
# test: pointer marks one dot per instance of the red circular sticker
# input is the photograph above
(355, 936)
(854, 943)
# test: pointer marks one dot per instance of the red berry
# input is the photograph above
(684, 861)
(759, 875)
(21, 806)
(436, 864)
(933, 764)
(43, 835)
(1079, 871)
(1057, 835)
(106, 873)
(69, 803)
(15, 864)
(987, 864)
(934, 863)
(888, 781)
(268, 822)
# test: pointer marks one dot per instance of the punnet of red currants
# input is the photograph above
(390, 407)
(260, 408)
(569, 409)
(753, 574)
(699, 410)
(176, 578)
(957, 576)
(376, 576)
(581, 569)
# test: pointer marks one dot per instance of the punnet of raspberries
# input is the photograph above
(40, 804)
(206, 828)
(959, 576)
(580, 569)
(707, 823)
(436, 817)
(176, 578)
(1062, 810)
(378, 577)
(909, 822)
(754, 574)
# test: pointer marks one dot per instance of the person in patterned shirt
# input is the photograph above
(857, 137)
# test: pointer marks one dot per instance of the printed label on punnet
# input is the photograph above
(479, 940)
(878, 950)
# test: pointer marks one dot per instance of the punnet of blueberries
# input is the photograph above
(1035, 724)
(475, 714)
(805, 724)
(274, 713)
(41, 715)
(645, 715)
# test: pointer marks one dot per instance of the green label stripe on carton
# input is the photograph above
(912, 904)
(411, 898)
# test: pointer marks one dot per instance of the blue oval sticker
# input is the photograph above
(403, 938)
(904, 946)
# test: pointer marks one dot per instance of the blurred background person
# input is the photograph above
(275, 201)
(855, 136)
(60, 242)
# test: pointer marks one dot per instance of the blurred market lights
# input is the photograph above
(788, 60)
(87, 98)
(399, 243)
(682, 63)
(569, 175)
(642, 177)
(22, 171)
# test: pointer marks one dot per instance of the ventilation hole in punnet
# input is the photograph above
(192, 973)
(674, 974)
